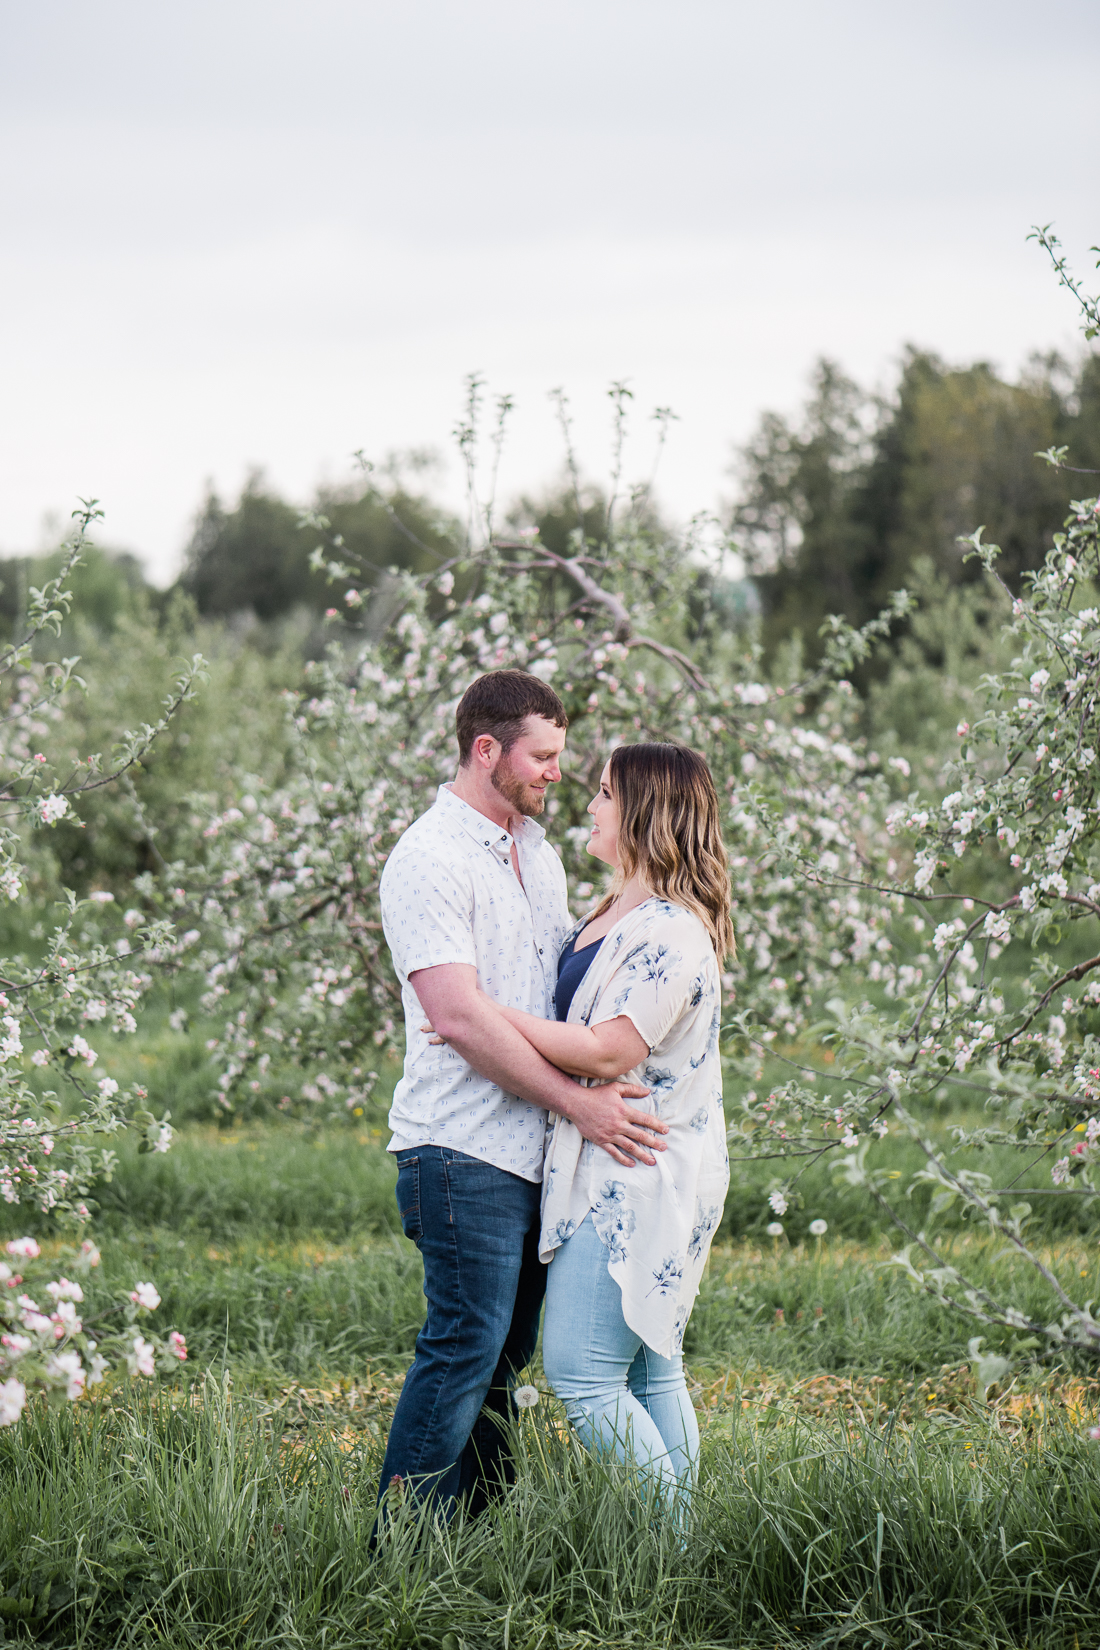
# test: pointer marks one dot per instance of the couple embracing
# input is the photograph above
(558, 1128)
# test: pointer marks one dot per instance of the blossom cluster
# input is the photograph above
(59, 1012)
(45, 1343)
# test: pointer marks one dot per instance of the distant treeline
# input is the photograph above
(832, 509)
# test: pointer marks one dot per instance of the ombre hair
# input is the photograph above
(669, 834)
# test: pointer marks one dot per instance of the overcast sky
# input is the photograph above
(270, 232)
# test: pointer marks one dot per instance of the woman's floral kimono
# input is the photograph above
(657, 967)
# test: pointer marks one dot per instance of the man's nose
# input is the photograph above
(552, 773)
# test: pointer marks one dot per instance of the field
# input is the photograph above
(856, 1489)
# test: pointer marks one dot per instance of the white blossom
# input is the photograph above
(80, 1050)
(12, 1043)
(13, 1396)
(66, 1367)
(141, 1360)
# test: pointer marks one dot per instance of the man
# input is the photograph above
(473, 896)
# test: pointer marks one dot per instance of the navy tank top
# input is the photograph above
(572, 967)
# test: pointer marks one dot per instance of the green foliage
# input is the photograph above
(835, 511)
(233, 730)
(76, 982)
(104, 586)
(932, 678)
(253, 559)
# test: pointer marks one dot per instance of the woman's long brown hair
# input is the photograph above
(669, 833)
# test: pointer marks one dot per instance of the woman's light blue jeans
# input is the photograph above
(623, 1398)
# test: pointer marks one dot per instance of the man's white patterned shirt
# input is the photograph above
(450, 895)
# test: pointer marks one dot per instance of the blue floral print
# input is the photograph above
(705, 1222)
(657, 967)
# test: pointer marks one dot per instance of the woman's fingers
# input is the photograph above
(433, 1038)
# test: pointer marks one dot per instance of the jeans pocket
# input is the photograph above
(408, 1198)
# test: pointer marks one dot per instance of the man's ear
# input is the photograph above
(485, 748)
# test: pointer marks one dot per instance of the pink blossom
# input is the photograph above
(63, 1290)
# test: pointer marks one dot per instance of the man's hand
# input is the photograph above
(459, 1015)
(603, 1117)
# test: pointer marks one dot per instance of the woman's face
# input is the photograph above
(603, 843)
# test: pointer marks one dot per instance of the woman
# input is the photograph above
(639, 993)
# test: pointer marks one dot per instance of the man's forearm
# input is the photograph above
(499, 1052)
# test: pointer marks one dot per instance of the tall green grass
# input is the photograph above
(205, 1524)
(240, 1514)
(288, 1179)
(278, 1251)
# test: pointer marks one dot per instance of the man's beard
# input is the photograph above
(514, 791)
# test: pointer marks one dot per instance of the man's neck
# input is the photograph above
(487, 800)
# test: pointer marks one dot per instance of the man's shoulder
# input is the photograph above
(435, 839)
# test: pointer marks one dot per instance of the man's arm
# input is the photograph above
(606, 1050)
(471, 1025)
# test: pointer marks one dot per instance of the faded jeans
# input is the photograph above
(622, 1398)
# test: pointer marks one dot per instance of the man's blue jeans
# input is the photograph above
(477, 1228)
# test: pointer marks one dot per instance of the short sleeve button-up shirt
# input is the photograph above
(451, 895)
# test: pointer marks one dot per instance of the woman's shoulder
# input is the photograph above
(675, 918)
(675, 924)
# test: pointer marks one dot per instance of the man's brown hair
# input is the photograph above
(498, 704)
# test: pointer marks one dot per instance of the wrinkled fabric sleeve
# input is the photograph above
(427, 914)
(654, 981)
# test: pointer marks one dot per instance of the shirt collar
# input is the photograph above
(484, 831)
